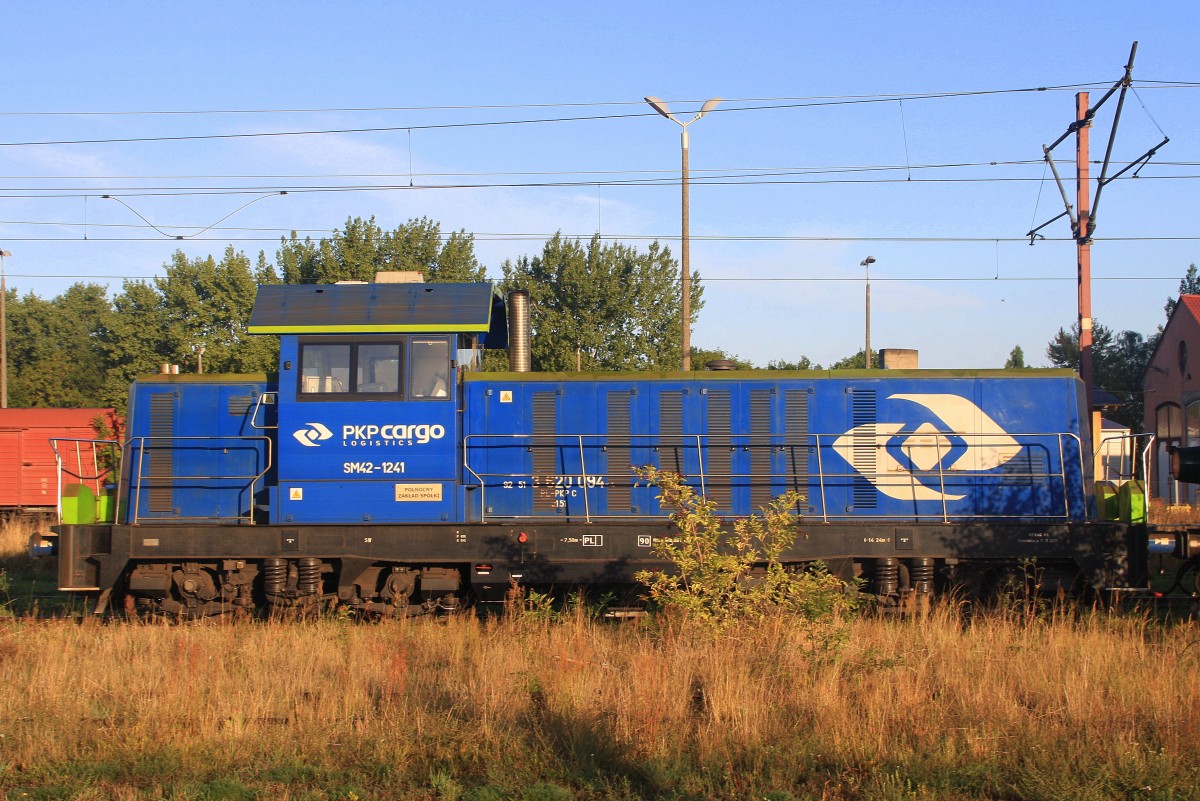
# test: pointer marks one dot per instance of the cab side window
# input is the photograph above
(429, 374)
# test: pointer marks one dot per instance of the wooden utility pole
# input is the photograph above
(1083, 215)
(1083, 242)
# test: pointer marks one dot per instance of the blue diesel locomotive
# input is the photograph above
(381, 470)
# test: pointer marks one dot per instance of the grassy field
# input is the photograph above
(999, 706)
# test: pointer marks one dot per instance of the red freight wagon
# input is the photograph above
(28, 475)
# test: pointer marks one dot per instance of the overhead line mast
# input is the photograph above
(1083, 223)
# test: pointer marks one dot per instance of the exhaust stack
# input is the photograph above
(518, 332)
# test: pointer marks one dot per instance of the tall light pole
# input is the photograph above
(661, 107)
(4, 254)
(867, 262)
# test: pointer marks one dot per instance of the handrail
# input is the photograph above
(97, 473)
(137, 478)
(939, 474)
(258, 404)
(1150, 440)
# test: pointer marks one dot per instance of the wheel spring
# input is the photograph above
(887, 576)
(274, 575)
(921, 571)
(308, 575)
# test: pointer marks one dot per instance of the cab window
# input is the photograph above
(378, 368)
(430, 372)
(325, 369)
(399, 368)
(351, 370)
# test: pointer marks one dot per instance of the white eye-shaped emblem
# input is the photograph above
(976, 441)
(310, 436)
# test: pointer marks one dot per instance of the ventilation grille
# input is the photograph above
(796, 409)
(719, 456)
(240, 405)
(670, 431)
(545, 463)
(863, 418)
(1030, 466)
(620, 455)
(761, 487)
(160, 453)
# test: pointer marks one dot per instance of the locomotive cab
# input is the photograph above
(368, 401)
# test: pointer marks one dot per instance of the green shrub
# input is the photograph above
(726, 575)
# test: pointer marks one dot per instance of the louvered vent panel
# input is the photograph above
(796, 409)
(620, 455)
(1029, 466)
(865, 457)
(545, 461)
(761, 489)
(160, 453)
(240, 405)
(670, 431)
(718, 463)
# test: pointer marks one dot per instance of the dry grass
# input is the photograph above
(14, 534)
(1062, 706)
(1161, 514)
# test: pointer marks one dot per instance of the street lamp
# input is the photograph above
(867, 262)
(4, 254)
(661, 107)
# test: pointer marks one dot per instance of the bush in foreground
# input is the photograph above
(728, 576)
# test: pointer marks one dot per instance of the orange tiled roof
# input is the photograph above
(1192, 304)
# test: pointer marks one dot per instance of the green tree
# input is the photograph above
(199, 302)
(857, 362)
(208, 304)
(602, 306)
(1063, 349)
(134, 340)
(1016, 359)
(361, 249)
(54, 356)
(1188, 285)
(1118, 363)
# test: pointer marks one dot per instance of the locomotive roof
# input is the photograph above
(380, 308)
(1041, 373)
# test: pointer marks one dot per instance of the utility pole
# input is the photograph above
(1082, 214)
(3, 334)
(1083, 242)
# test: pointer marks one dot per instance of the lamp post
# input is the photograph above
(4, 254)
(867, 262)
(661, 107)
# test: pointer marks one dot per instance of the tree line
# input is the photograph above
(595, 306)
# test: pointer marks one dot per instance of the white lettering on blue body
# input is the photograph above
(391, 434)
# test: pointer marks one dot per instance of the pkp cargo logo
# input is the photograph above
(891, 455)
(312, 434)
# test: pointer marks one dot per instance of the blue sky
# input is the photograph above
(779, 222)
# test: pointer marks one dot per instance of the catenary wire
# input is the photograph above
(768, 106)
(601, 103)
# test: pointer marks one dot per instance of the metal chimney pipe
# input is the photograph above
(518, 332)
